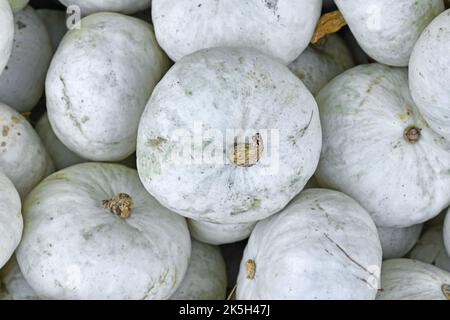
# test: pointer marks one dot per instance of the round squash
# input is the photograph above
(281, 29)
(55, 21)
(112, 62)
(378, 149)
(396, 242)
(19, 144)
(320, 63)
(446, 232)
(22, 82)
(219, 233)
(324, 245)
(17, 5)
(388, 29)
(11, 223)
(13, 285)
(429, 74)
(206, 277)
(91, 223)
(406, 279)
(7, 34)
(430, 249)
(125, 6)
(228, 136)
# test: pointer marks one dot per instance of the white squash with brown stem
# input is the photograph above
(93, 222)
(206, 277)
(6, 34)
(406, 279)
(254, 129)
(281, 29)
(219, 233)
(324, 245)
(375, 136)
(113, 61)
(11, 223)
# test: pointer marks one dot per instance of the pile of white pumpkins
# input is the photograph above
(130, 186)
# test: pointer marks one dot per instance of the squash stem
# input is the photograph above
(120, 204)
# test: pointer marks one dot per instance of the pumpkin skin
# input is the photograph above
(397, 242)
(278, 28)
(13, 285)
(428, 74)
(406, 279)
(206, 277)
(124, 6)
(7, 34)
(55, 21)
(112, 62)
(219, 233)
(19, 143)
(228, 89)
(366, 114)
(320, 63)
(430, 249)
(17, 5)
(391, 27)
(11, 223)
(447, 233)
(82, 246)
(22, 83)
(322, 232)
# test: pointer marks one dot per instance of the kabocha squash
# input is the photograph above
(378, 149)
(55, 21)
(388, 29)
(22, 81)
(219, 233)
(99, 82)
(13, 285)
(125, 6)
(324, 245)
(206, 277)
(281, 29)
(17, 5)
(320, 63)
(20, 144)
(406, 279)
(429, 74)
(91, 223)
(430, 249)
(7, 34)
(397, 242)
(11, 222)
(228, 136)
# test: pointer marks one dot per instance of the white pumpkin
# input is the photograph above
(125, 6)
(430, 249)
(323, 246)
(7, 34)
(99, 82)
(228, 136)
(281, 29)
(406, 279)
(55, 21)
(11, 223)
(378, 149)
(206, 277)
(388, 29)
(17, 5)
(13, 285)
(92, 223)
(446, 232)
(219, 233)
(429, 74)
(397, 242)
(22, 81)
(20, 144)
(320, 63)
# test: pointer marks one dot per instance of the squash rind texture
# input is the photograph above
(17, 5)
(123, 6)
(72, 247)
(397, 242)
(447, 233)
(324, 245)
(212, 95)
(55, 21)
(364, 114)
(406, 279)
(7, 34)
(13, 285)
(281, 29)
(219, 233)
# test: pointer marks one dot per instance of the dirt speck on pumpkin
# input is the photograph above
(21, 25)
(5, 131)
